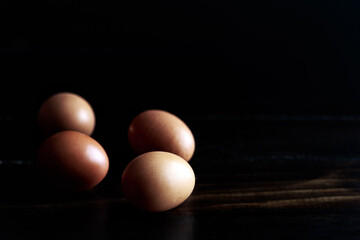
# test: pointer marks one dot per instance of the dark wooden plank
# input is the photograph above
(255, 178)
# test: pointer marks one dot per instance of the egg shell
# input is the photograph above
(73, 160)
(158, 181)
(158, 130)
(66, 111)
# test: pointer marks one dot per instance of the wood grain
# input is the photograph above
(336, 189)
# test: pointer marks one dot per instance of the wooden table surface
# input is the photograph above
(272, 177)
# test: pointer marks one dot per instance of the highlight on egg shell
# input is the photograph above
(66, 111)
(72, 160)
(158, 181)
(158, 130)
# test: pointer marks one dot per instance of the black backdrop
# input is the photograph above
(197, 57)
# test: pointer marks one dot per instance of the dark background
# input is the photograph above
(193, 57)
(268, 87)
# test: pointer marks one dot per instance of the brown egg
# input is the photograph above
(158, 181)
(66, 111)
(157, 130)
(73, 160)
